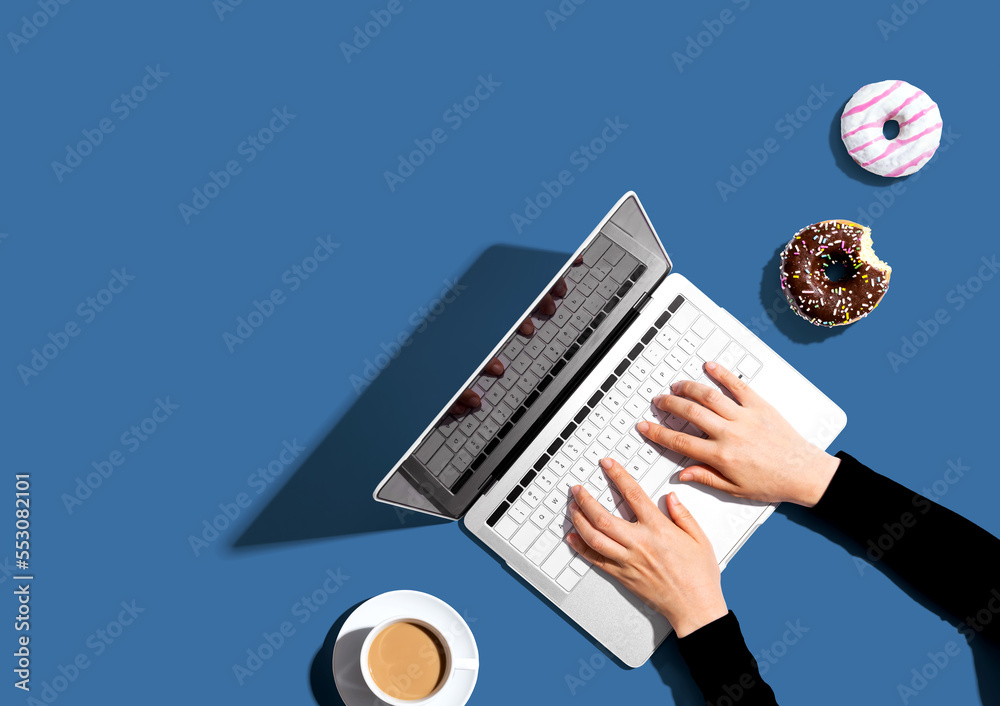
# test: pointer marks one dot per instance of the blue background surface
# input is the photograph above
(291, 380)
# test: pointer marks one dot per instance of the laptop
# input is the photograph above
(623, 328)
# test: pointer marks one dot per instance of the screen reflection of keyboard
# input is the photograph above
(459, 445)
(533, 516)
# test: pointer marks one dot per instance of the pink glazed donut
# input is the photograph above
(875, 105)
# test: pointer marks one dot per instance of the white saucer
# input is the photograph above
(412, 604)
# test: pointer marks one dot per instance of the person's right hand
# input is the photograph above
(751, 451)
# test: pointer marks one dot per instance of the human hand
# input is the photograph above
(469, 399)
(667, 562)
(751, 451)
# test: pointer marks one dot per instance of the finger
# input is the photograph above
(559, 288)
(682, 443)
(466, 401)
(633, 493)
(734, 383)
(707, 475)
(494, 367)
(594, 529)
(546, 307)
(683, 518)
(708, 397)
(689, 410)
(590, 554)
(527, 327)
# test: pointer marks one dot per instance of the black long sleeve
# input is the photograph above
(723, 667)
(950, 560)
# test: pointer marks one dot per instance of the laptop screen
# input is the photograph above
(507, 395)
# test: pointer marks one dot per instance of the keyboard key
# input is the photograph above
(430, 446)
(546, 480)
(561, 525)
(621, 271)
(713, 345)
(649, 389)
(559, 559)
(556, 501)
(674, 360)
(614, 253)
(474, 445)
(637, 467)
(567, 335)
(554, 351)
(703, 326)
(519, 511)
(532, 496)
(595, 453)
(597, 248)
(574, 300)
(449, 476)
(515, 397)
(505, 527)
(609, 437)
(692, 368)
(587, 432)
(667, 337)
(561, 317)
(662, 374)
(440, 460)
(640, 369)
(462, 459)
(579, 565)
(587, 285)
(614, 400)
(511, 350)
(542, 516)
(651, 483)
(635, 406)
(576, 272)
(689, 343)
(523, 538)
(581, 319)
(627, 385)
(573, 448)
(749, 366)
(601, 270)
(624, 420)
(599, 416)
(548, 330)
(559, 464)
(508, 379)
(674, 422)
(607, 289)
(581, 469)
(625, 448)
(654, 353)
(683, 317)
(456, 440)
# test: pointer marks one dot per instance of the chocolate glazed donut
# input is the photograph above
(812, 294)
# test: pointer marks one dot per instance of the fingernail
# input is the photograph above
(607, 463)
(642, 427)
(656, 400)
(576, 490)
(687, 476)
(497, 368)
(710, 365)
(673, 498)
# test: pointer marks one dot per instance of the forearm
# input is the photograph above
(723, 667)
(949, 559)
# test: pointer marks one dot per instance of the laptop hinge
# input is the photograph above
(641, 304)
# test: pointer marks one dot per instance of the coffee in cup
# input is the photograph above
(407, 660)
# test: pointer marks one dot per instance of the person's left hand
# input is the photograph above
(668, 562)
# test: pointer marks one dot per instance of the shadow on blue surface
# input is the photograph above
(330, 494)
(986, 656)
(778, 312)
(846, 163)
(321, 681)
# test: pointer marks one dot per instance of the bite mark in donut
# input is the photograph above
(812, 294)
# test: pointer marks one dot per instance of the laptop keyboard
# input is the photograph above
(533, 516)
(460, 444)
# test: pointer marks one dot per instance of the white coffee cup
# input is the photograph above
(452, 663)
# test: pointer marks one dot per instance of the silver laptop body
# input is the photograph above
(625, 330)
